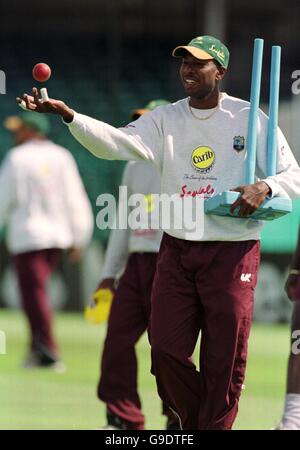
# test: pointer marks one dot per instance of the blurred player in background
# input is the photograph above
(204, 280)
(291, 415)
(46, 209)
(136, 250)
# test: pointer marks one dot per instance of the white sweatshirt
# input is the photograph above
(173, 139)
(143, 178)
(42, 199)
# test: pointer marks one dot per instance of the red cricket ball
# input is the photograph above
(41, 72)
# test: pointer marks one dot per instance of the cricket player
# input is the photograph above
(46, 210)
(205, 279)
(291, 415)
(136, 251)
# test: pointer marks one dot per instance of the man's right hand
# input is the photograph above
(52, 106)
(107, 283)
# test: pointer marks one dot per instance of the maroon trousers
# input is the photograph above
(33, 271)
(128, 320)
(207, 287)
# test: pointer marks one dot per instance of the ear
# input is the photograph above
(221, 73)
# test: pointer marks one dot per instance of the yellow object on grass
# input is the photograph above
(98, 310)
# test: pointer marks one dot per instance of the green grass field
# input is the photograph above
(39, 399)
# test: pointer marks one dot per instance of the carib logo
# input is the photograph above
(203, 159)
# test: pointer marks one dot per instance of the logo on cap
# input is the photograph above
(217, 52)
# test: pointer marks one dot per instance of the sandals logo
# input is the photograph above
(203, 159)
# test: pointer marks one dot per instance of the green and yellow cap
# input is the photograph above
(149, 107)
(28, 119)
(205, 47)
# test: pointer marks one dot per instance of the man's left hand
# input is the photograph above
(252, 196)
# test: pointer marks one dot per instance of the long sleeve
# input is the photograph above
(7, 189)
(118, 245)
(140, 140)
(286, 182)
(78, 207)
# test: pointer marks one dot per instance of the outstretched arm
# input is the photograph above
(143, 141)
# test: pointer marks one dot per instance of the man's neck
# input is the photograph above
(211, 101)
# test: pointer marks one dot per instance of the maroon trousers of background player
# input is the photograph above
(207, 287)
(128, 320)
(33, 270)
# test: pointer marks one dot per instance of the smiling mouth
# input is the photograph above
(189, 81)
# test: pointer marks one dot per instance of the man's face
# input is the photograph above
(199, 77)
